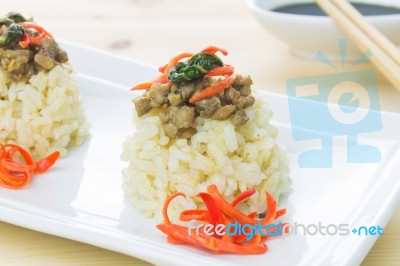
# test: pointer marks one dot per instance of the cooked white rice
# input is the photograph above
(233, 158)
(43, 115)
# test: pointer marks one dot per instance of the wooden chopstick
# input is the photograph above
(385, 55)
(368, 29)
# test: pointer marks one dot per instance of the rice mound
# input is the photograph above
(44, 114)
(233, 158)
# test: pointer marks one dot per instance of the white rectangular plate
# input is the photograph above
(81, 198)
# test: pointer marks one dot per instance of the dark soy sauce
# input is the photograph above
(313, 9)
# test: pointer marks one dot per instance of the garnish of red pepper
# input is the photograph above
(15, 174)
(29, 37)
(225, 70)
(219, 212)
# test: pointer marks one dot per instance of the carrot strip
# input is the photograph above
(11, 149)
(44, 164)
(15, 167)
(242, 238)
(200, 215)
(163, 79)
(221, 71)
(14, 182)
(181, 233)
(166, 204)
(254, 241)
(143, 86)
(215, 214)
(271, 210)
(174, 240)
(25, 41)
(162, 68)
(212, 90)
(174, 61)
(242, 196)
(227, 208)
(280, 213)
(227, 237)
(252, 215)
(214, 49)
(42, 32)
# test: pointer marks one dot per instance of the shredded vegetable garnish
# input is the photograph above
(15, 174)
(212, 90)
(163, 78)
(198, 65)
(18, 29)
(220, 212)
(33, 34)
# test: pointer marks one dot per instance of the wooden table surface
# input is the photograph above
(151, 31)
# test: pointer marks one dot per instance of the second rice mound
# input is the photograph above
(233, 158)
(44, 114)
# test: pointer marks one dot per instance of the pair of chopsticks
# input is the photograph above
(385, 55)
